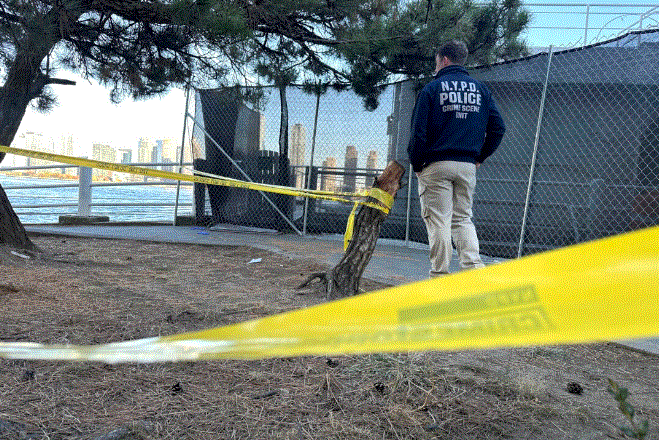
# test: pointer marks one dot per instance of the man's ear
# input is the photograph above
(438, 63)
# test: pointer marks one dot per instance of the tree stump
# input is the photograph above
(343, 279)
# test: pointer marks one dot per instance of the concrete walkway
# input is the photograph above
(393, 262)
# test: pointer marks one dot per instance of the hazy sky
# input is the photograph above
(567, 23)
(86, 111)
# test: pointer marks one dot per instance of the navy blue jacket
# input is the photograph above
(455, 118)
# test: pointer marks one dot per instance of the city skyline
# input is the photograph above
(334, 127)
(342, 121)
(67, 144)
(146, 150)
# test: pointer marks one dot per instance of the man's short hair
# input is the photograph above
(455, 50)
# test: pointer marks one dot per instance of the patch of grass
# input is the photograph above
(637, 430)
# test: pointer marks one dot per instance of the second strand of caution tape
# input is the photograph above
(384, 199)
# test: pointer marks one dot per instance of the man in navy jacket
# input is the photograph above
(456, 126)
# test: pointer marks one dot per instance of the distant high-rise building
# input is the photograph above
(156, 153)
(297, 151)
(144, 150)
(350, 178)
(371, 165)
(35, 141)
(125, 155)
(40, 142)
(170, 153)
(105, 153)
(66, 146)
(298, 145)
(328, 181)
(170, 149)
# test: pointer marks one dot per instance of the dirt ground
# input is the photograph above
(90, 291)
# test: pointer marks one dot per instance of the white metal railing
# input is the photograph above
(39, 204)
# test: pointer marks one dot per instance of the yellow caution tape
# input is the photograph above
(385, 199)
(603, 290)
(347, 237)
(373, 192)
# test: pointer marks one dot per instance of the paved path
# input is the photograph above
(393, 262)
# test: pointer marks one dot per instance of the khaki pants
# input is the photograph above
(446, 190)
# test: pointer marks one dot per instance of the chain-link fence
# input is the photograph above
(580, 158)
(332, 144)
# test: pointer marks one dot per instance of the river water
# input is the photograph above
(28, 200)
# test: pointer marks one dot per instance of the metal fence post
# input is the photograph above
(309, 173)
(181, 151)
(409, 205)
(84, 191)
(535, 154)
(396, 156)
(585, 34)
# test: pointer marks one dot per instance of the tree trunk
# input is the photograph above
(12, 232)
(24, 82)
(283, 170)
(284, 174)
(283, 122)
(343, 280)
